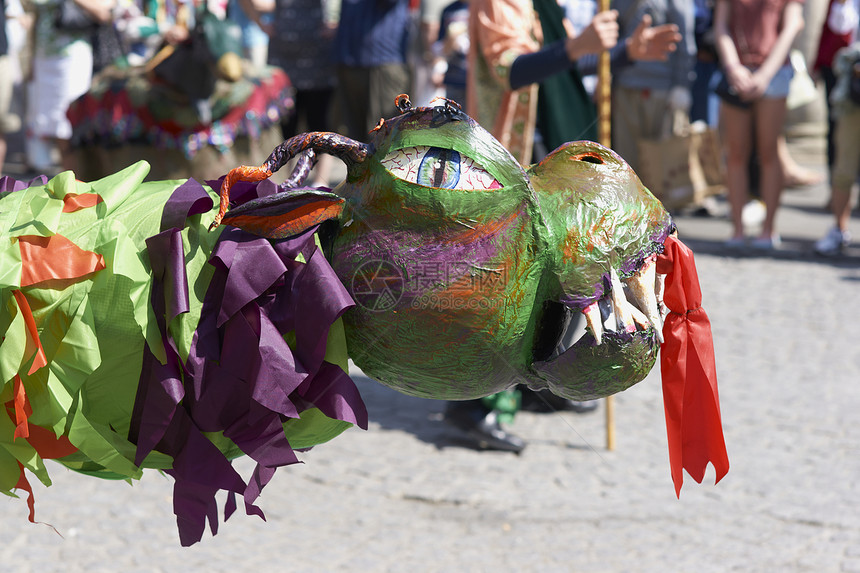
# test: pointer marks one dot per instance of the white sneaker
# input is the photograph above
(833, 242)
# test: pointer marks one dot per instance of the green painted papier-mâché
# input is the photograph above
(466, 268)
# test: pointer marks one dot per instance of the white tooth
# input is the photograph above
(622, 308)
(643, 287)
(592, 318)
(639, 317)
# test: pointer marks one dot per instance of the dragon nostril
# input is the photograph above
(589, 158)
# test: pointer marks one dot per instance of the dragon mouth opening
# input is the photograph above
(629, 306)
(623, 328)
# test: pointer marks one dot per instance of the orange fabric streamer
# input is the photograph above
(688, 367)
(55, 258)
(75, 202)
(31, 500)
(46, 261)
(22, 410)
(45, 442)
(30, 323)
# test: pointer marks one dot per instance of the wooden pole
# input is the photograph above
(604, 96)
(604, 136)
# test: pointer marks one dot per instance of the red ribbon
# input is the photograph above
(690, 396)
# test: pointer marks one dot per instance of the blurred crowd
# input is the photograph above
(525, 69)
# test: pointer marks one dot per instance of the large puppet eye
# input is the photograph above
(438, 167)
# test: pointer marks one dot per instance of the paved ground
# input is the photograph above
(406, 496)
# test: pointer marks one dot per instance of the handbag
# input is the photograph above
(801, 90)
(70, 17)
(189, 67)
(108, 48)
(685, 167)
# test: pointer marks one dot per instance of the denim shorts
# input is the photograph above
(778, 87)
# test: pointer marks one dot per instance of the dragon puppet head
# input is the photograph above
(466, 268)
(133, 338)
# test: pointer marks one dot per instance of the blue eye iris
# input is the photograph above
(439, 168)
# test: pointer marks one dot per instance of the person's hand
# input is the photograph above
(744, 82)
(601, 34)
(437, 73)
(759, 82)
(741, 81)
(264, 6)
(176, 35)
(680, 99)
(647, 43)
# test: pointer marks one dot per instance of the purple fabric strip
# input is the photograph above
(335, 394)
(160, 387)
(320, 299)
(247, 279)
(186, 200)
(241, 378)
(199, 471)
(244, 191)
(159, 392)
(167, 260)
(8, 184)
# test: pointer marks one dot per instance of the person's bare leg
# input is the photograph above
(794, 175)
(840, 204)
(769, 121)
(736, 126)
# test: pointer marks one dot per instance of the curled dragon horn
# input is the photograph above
(304, 164)
(347, 150)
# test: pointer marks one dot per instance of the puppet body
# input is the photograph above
(134, 338)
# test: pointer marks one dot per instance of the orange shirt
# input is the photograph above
(500, 31)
